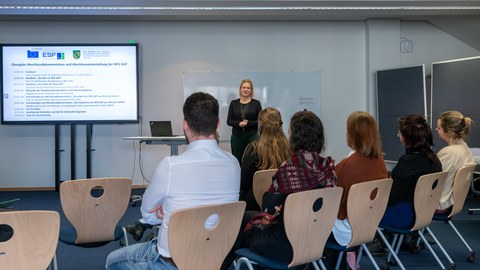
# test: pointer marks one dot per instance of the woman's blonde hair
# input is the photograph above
(363, 135)
(455, 124)
(271, 147)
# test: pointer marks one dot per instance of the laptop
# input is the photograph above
(161, 128)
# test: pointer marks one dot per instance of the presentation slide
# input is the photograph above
(69, 83)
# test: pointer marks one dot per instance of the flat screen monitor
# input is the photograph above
(456, 86)
(400, 92)
(69, 83)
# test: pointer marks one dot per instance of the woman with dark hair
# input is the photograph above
(305, 169)
(419, 159)
(269, 151)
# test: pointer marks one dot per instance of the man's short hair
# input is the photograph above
(201, 113)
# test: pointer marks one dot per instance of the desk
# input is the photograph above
(173, 141)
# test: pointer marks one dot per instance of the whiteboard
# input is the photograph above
(288, 92)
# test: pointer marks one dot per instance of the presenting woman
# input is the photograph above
(243, 118)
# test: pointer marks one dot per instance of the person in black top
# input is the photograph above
(243, 118)
(419, 159)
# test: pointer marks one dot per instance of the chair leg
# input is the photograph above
(53, 264)
(125, 236)
(431, 249)
(318, 265)
(369, 255)
(452, 264)
(245, 261)
(339, 260)
(471, 257)
(390, 249)
(396, 245)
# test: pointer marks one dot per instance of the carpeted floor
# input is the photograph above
(76, 258)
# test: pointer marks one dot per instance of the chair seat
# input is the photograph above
(398, 230)
(336, 246)
(68, 235)
(441, 217)
(260, 260)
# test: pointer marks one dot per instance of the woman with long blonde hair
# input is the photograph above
(269, 151)
(453, 128)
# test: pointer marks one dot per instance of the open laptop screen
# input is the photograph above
(161, 128)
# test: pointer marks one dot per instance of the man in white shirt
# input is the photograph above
(204, 174)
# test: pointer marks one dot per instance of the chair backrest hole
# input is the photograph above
(435, 184)
(374, 194)
(211, 222)
(6, 232)
(97, 192)
(317, 205)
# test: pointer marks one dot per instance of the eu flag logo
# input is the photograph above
(32, 54)
(76, 54)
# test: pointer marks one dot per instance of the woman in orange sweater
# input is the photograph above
(364, 163)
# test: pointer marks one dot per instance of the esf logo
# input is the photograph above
(49, 54)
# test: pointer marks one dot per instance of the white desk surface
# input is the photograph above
(169, 138)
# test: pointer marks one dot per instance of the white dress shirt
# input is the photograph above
(204, 174)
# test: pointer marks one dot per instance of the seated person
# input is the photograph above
(452, 128)
(269, 151)
(419, 159)
(203, 175)
(364, 163)
(305, 169)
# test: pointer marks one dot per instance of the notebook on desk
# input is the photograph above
(161, 128)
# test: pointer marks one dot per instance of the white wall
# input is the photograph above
(347, 54)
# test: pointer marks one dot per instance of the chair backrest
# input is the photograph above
(427, 195)
(366, 204)
(193, 246)
(95, 218)
(34, 240)
(309, 217)
(261, 182)
(461, 186)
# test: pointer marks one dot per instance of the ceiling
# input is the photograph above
(460, 19)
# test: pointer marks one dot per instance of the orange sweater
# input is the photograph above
(357, 168)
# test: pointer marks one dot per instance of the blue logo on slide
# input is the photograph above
(32, 54)
(60, 56)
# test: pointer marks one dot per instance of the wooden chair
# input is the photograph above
(461, 185)
(193, 245)
(426, 198)
(366, 204)
(308, 218)
(33, 242)
(261, 182)
(475, 183)
(94, 207)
